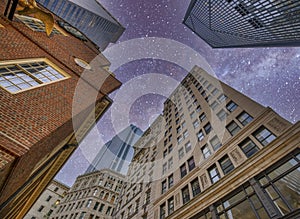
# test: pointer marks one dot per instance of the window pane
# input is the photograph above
(289, 188)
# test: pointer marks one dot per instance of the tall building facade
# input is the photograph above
(48, 201)
(93, 196)
(244, 23)
(88, 16)
(214, 154)
(118, 152)
(45, 111)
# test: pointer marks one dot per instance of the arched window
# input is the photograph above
(95, 192)
(101, 194)
(106, 196)
(112, 200)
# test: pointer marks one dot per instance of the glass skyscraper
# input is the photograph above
(245, 23)
(88, 16)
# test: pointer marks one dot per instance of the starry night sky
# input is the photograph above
(270, 76)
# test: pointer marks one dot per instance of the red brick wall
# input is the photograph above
(40, 118)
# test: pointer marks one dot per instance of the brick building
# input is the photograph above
(48, 201)
(45, 111)
(214, 153)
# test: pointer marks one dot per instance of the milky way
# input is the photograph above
(270, 76)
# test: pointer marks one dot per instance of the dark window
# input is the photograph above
(214, 174)
(56, 189)
(222, 115)
(185, 194)
(233, 128)
(248, 147)
(41, 208)
(231, 106)
(162, 211)
(244, 118)
(202, 117)
(163, 187)
(183, 170)
(195, 187)
(226, 164)
(191, 163)
(241, 8)
(96, 205)
(48, 198)
(165, 153)
(171, 205)
(207, 128)
(264, 136)
(255, 23)
(171, 181)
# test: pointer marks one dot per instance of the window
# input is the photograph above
(163, 187)
(207, 128)
(164, 169)
(108, 211)
(170, 163)
(241, 8)
(101, 207)
(170, 138)
(244, 118)
(88, 204)
(41, 208)
(214, 174)
(192, 115)
(185, 194)
(222, 98)
(242, 202)
(264, 136)
(222, 115)
(209, 87)
(255, 22)
(48, 198)
(205, 151)
(195, 187)
(226, 164)
(35, 24)
(208, 98)
(233, 128)
(231, 106)
(171, 205)
(179, 139)
(56, 189)
(191, 163)
(215, 143)
(180, 153)
(178, 129)
(183, 170)
(200, 135)
(188, 147)
(214, 105)
(16, 77)
(165, 153)
(170, 148)
(170, 181)
(198, 109)
(248, 147)
(162, 211)
(196, 124)
(96, 205)
(185, 134)
(281, 183)
(215, 92)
